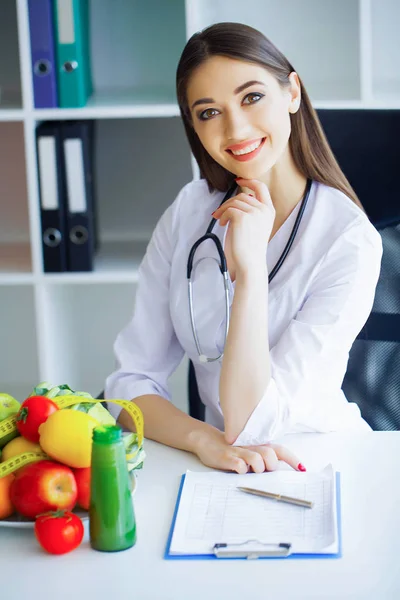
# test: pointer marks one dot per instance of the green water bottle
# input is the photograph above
(112, 524)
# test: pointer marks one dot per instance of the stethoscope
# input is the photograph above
(224, 270)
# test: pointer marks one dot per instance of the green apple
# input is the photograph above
(8, 406)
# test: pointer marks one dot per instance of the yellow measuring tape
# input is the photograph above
(19, 461)
(9, 426)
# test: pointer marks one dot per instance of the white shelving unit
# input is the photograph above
(61, 327)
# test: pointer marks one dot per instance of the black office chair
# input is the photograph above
(373, 375)
(365, 143)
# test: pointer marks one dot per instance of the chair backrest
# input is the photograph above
(373, 375)
(365, 143)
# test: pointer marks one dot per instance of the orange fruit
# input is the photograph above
(6, 508)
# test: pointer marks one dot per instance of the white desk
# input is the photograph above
(370, 566)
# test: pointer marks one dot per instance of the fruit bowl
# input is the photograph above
(19, 522)
(63, 436)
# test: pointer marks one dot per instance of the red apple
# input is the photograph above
(43, 486)
(82, 477)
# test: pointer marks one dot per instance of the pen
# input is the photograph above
(278, 497)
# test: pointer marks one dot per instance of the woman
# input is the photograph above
(253, 132)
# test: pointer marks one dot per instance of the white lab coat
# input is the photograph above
(318, 302)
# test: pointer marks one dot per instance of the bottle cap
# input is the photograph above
(107, 434)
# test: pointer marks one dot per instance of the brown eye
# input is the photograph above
(255, 97)
(205, 115)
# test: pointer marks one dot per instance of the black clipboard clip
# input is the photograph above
(251, 549)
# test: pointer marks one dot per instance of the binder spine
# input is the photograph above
(73, 52)
(52, 198)
(78, 160)
(43, 62)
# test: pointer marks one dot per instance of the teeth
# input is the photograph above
(248, 149)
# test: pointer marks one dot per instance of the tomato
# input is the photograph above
(33, 412)
(82, 478)
(43, 486)
(59, 532)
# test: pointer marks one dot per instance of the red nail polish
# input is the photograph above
(301, 467)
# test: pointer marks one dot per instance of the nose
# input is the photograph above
(237, 127)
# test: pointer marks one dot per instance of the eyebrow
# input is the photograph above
(239, 89)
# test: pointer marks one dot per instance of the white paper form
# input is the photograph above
(212, 510)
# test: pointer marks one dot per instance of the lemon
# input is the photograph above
(66, 436)
(17, 446)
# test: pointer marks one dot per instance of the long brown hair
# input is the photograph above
(308, 144)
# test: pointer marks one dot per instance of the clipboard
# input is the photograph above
(263, 551)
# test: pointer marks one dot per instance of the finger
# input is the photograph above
(270, 458)
(245, 202)
(239, 465)
(232, 462)
(242, 203)
(231, 214)
(239, 204)
(287, 456)
(261, 190)
(253, 459)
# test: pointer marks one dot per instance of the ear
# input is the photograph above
(294, 92)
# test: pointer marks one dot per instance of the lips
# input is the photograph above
(249, 155)
(243, 144)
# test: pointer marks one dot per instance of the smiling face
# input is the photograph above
(241, 115)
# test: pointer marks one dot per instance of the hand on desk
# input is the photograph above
(215, 452)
